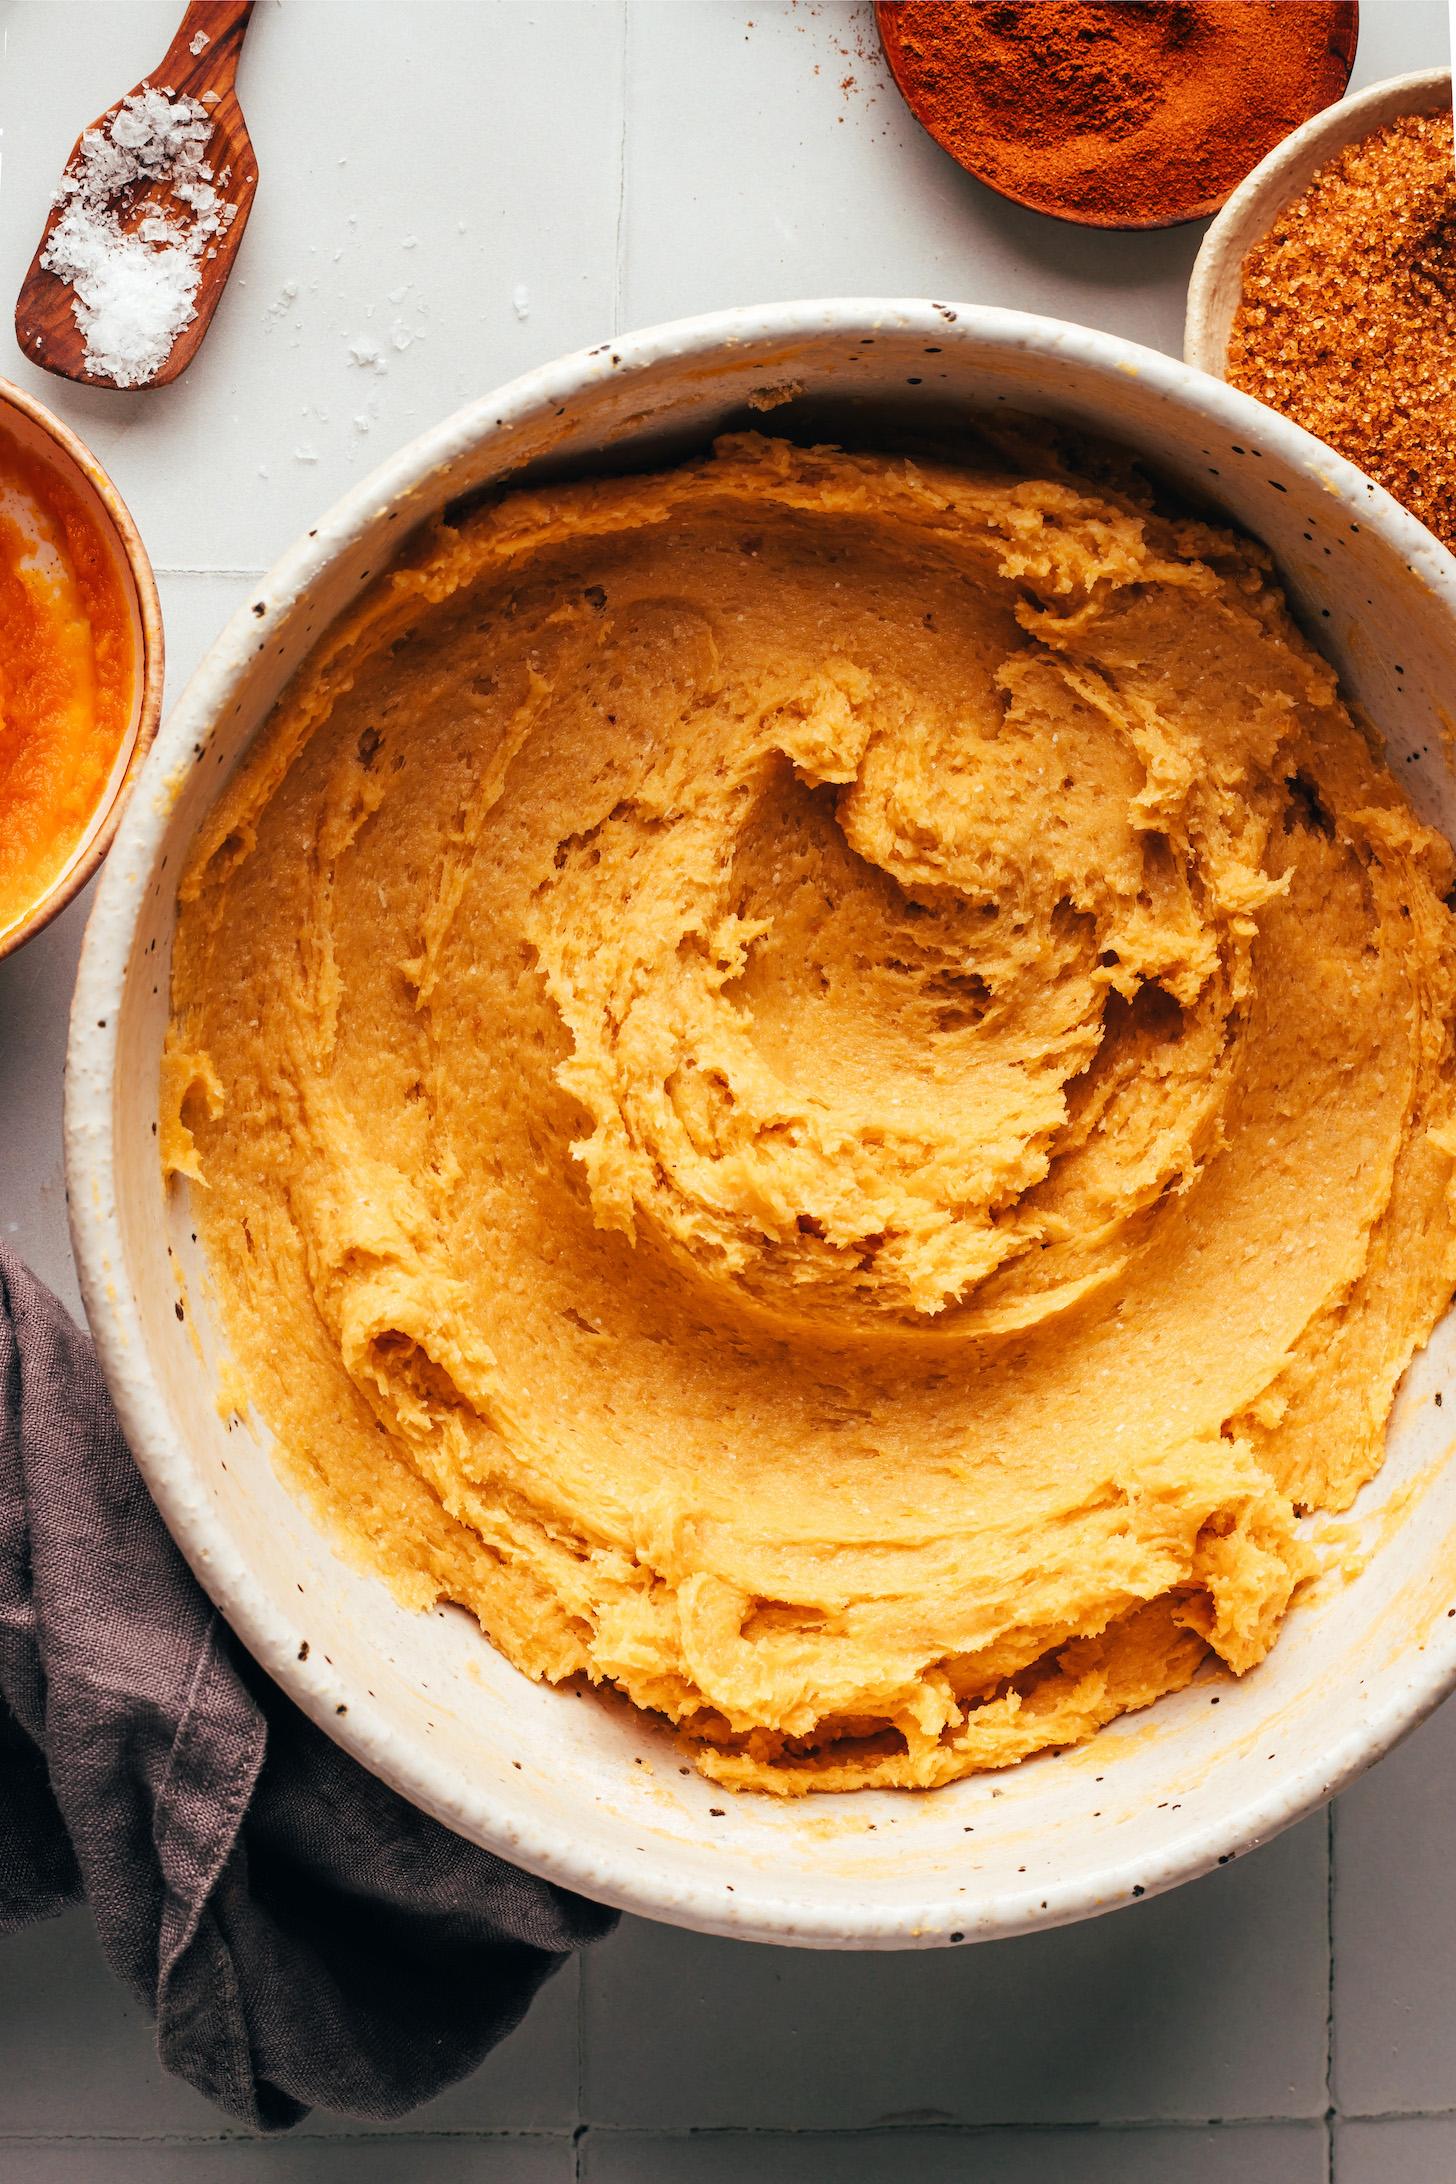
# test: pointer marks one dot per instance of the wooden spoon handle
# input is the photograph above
(223, 23)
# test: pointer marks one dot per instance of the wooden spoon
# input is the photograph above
(201, 63)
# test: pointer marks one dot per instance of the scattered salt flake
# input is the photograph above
(136, 289)
(305, 454)
(411, 242)
(200, 42)
(521, 301)
(367, 354)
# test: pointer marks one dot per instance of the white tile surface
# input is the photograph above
(407, 190)
(568, 168)
(775, 186)
(1395, 1930)
(35, 987)
(77, 2054)
(78, 2057)
(1207, 2002)
(299, 2161)
(1290, 2153)
(1398, 2150)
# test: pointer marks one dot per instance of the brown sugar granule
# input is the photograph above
(1347, 317)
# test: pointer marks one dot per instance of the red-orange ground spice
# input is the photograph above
(1122, 113)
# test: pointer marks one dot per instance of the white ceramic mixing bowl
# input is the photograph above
(581, 1788)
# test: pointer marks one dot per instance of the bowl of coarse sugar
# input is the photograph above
(1325, 288)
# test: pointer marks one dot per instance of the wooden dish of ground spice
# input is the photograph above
(1328, 290)
(1116, 113)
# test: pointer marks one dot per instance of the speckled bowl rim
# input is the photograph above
(514, 1825)
(150, 666)
(1279, 178)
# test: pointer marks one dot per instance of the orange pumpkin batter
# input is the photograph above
(827, 1091)
(67, 676)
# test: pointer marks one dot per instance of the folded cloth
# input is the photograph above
(304, 1937)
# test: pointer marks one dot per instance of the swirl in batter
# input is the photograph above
(822, 1086)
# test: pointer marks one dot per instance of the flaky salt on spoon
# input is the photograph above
(147, 221)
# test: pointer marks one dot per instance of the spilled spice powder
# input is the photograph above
(1117, 113)
(1347, 317)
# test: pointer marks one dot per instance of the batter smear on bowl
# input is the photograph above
(822, 1086)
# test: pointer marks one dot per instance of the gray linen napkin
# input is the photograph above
(304, 1937)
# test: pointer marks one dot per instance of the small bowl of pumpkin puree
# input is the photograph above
(80, 664)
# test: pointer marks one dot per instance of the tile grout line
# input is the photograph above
(619, 241)
(579, 2134)
(1083, 2127)
(1398, 2115)
(504, 2133)
(1330, 1993)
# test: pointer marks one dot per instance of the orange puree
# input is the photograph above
(67, 676)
